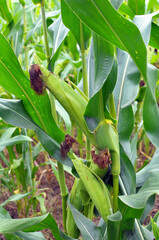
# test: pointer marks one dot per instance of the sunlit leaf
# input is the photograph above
(16, 197)
(137, 6)
(88, 229)
(150, 108)
(72, 22)
(117, 30)
(133, 204)
(14, 81)
(4, 10)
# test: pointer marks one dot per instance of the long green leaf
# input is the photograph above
(103, 62)
(97, 15)
(8, 225)
(150, 108)
(144, 173)
(137, 6)
(88, 229)
(155, 229)
(64, 115)
(73, 23)
(64, 236)
(6, 14)
(16, 197)
(127, 173)
(154, 36)
(58, 33)
(19, 235)
(133, 205)
(125, 128)
(14, 81)
(127, 86)
(13, 112)
(104, 77)
(24, 236)
(125, 10)
(14, 140)
(139, 233)
(7, 134)
(38, 24)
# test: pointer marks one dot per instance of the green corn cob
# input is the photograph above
(73, 103)
(95, 187)
(76, 201)
(106, 137)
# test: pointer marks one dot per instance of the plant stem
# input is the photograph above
(45, 31)
(64, 192)
(88, 149)
(32, 166)
(115, 192)
(116, 159)
(25, 33)
(61, 173)
(85, 83)
(59, 165)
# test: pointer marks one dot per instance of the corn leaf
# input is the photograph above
(103, 56)
(150, 108)
(102, 74)
(133, 205)
(16, 197)
(145, 172)
(58, 33)
(154, 36)
(127, 173)
(127, 86)
(14, 140)
(14, 81)
(9, 225)
(13, 112)
(25, 236)
(4, 10)
(97, 15)
(155, 229)
(73, 23)
(137, 6)
(88, 229)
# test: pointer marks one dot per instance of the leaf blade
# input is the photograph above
(115, 29)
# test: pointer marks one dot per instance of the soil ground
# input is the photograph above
(47, 181)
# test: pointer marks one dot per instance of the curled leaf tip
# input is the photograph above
(36, 82)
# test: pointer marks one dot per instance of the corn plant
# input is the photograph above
(19, 172)
(105, 101)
